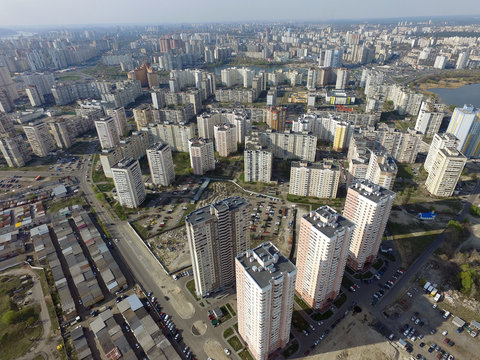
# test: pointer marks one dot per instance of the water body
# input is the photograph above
(468, 94)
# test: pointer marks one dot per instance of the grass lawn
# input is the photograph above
(226, 315)
(378, 264)
(335, 203)
(245, 355)
(227, 333)
(346, 282)
(389, 256)
(292, 349)
(298, 321)
(410, 248)
(324, 316)
(230, 308)
(181, 161)
(236, 327)
(16, 335)
(120, 211)
(54, 206)
(405, 171)
(79, 148)
(360, 276)
(106, 187)
(235, 343)
(140, 229)
(303, 305)
(340, 300)
(191, 288)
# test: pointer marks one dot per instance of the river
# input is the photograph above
(468, 94)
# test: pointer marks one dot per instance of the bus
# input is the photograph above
(38, 178)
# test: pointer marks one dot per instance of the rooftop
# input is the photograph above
(327, 220)
(203, 214)
(371, 191)
(264, 263)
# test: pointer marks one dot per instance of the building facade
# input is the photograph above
(446, 168)
(314, 179)
(107, 132)
(39, 138)
(323, 245)
(127, 177)
(368, 206)
(465, 125)
(160, 161)
(225, 139)
(201, 155)
(217, 233)
(265, 281)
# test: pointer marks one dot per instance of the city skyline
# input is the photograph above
(113, 12)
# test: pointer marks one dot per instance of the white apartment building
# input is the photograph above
(202, 157)
(465, 125)
(265, 281)
(225, 139)
(127, 177)
(120, 118)
(35, 97)
(107, 132)
(134, 146)
(445, 171)
(342, 79)
(14, 150)
(160, 161)
(314, 179)
(39, 138)
(258, 161)
(368, 206)
(439, 141)
(176, 135)
(321, 257)
(440, 62)
(429, 118)
(288, 145)
(216, 234)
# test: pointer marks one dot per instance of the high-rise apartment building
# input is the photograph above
(216, 234)
(318, 179)
(120, 119)
(60, 130)
(14, 150)
(225, 139)
(382, 169)
(7, 84)
(107, 132)
(462, 60)
(127, 177)
(276, 118)
(39, 138)
(439, 141)
(265, 281)
(6, 124)
(445, 171)
(322, 253)
(202, 157)
(160, 161)
(342, 79)
(465, 125)
(258, 160)
(143, 115)
(35, 97)
(429, 118)
(311, 79)
(368, 206)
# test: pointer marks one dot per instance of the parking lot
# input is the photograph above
(428, 332)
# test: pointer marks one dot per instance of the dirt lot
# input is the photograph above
(214, 350)
(172, 248)
(355, 339)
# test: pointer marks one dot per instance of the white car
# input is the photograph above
(445, 333)
(226, 351)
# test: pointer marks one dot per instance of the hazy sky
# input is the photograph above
(62, 12)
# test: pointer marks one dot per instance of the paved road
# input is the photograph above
(147, 271)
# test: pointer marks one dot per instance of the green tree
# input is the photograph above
(452, 107)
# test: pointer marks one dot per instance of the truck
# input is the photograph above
(446, 315)
(458, 322)
(38, 178)
(437, 297)
(426, 286)
(433, 292)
